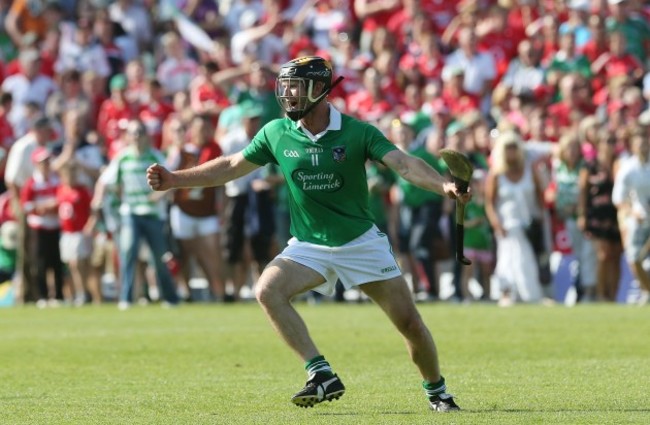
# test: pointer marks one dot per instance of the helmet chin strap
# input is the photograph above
(298, 115)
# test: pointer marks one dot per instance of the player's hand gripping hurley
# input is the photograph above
(461, 171)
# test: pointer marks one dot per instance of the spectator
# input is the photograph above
(577, 22)
(239, 214)
(135, 21)
(142, 213)
(567, 60)
(177, 69)
(565, 197)
(69, 96)
(31, 16)
(457, 99)
(206, 96)
(73, 201)
(193, 216)
(82, 54)
(513, 202)
(478, 241)
(480, 70)
(525, 73)
(616, 62)
(257, 41)
(635, 28)
(112, 110)
(154, 111)
(597, 44)
(597, 218)
(38, 200)
(27, 86)
(6, 135)
(631, 195)
(79, 149)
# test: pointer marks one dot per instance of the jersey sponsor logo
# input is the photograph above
(314, 150)
(288, 153)
(388, 269)
(317, 181)
(338, 153)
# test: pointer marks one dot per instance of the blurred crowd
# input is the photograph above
(548, 99)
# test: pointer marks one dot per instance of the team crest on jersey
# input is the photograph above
(338, 153)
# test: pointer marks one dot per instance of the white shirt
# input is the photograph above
(19, 162)
(234, 141)
(478, 69)
(23, 91)
(135, 21)
(175, 75)
(632, 184)
(82, 58)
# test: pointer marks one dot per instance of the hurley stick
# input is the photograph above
(461, 172)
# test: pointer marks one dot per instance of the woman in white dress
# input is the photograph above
(513, 202)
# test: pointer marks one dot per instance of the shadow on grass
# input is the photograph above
(531, 410)
(358, 414)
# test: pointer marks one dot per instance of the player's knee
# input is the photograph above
(265, 294)
(411, 325)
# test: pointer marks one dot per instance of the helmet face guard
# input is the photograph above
(295, 86)
(296, 96)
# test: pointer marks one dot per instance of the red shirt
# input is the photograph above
(364, 106)
(429, 67)
(153, 115)
(209, 152)
(561, 113)
(109, 116)
(37, 191)
(74, 207)
(207, 93)
(460, 104)
(6, 132)
(591, 50)
(502, 46)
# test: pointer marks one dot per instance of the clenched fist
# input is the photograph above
(159, 178)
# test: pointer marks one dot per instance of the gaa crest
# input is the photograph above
(338, 153)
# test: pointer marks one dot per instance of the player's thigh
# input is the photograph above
(393, 296)
(286, 278)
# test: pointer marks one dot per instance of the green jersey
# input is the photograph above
(414, 196)
(479, 236)
(127, 172)
(326, 179)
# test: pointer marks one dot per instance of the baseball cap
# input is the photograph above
(40, 154)
(118, 82)
(41, 123)
(250, 109)
(454, 128)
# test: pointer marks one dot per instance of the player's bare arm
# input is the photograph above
(212, 173)
(418, 172)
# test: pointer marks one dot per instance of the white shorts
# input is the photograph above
(185, 226)
(637, 235)
(75, 246)
(368, 258)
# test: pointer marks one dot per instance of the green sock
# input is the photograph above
(432, 389)
(318, 365)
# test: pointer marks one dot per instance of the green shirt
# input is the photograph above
(637, 35)
(328, 188)
(414, 196)
(477, 237)
(379, 182)
(127, 172)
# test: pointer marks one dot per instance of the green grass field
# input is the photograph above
(207, 364)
